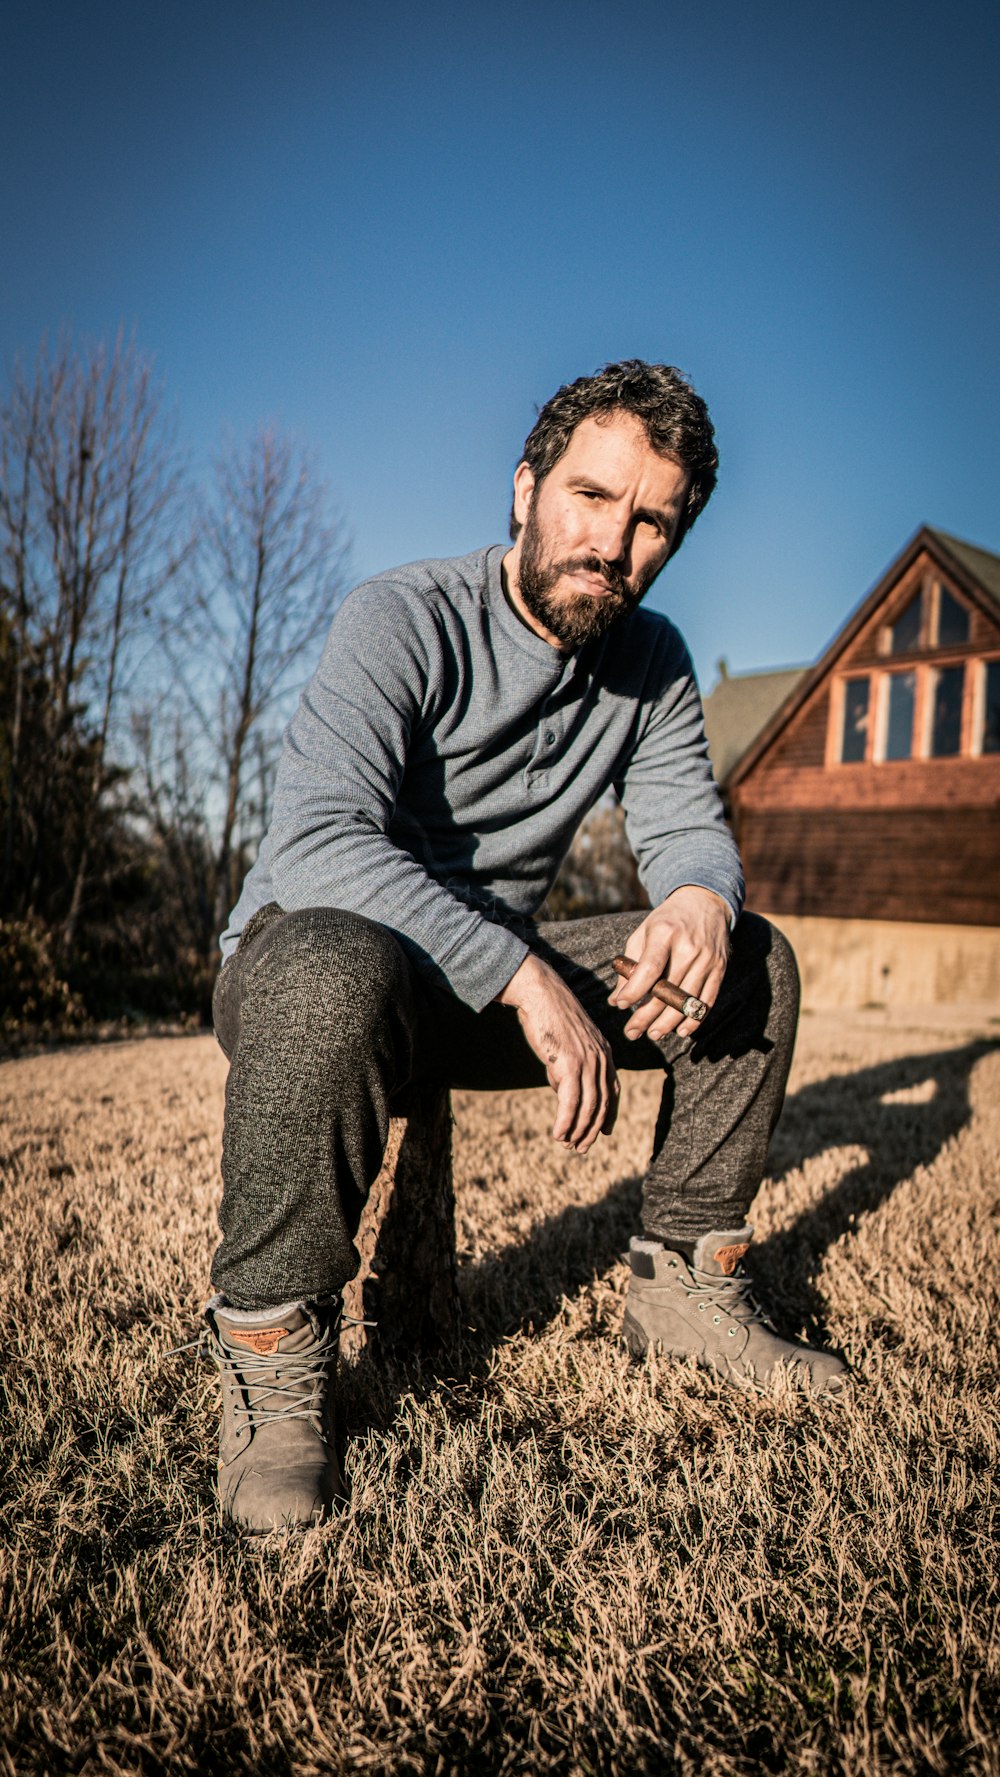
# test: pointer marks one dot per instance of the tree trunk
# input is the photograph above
(407, 1282)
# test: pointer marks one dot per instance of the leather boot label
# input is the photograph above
(263, 1342)
(728, 1257)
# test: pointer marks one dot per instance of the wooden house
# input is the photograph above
(873, 792)
(738, 707)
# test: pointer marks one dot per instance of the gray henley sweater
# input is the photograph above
(443, 756)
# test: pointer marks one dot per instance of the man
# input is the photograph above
(464, 717)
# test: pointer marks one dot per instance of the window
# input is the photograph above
(952, 620)
(946, 712)
(854, 736)
(905, 632)
(930, 695)
(991, 707)
(902, 689)
(934, 618)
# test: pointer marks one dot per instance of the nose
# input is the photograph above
(611, 538)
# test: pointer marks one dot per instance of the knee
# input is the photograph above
(783, 969)
(329, 975)
(774, 957)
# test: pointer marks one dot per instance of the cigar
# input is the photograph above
(667, 992)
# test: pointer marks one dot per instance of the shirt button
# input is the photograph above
(550, 739)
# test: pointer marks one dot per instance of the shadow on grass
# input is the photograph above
(901, 1113)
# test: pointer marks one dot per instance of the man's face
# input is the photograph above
(595, 531)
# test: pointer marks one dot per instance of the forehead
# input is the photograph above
(614, 449)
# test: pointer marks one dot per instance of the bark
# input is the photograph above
(68, 937)
(407, 1282)
(15, 525)
(224, 896)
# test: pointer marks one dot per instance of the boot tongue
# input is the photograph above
(287, 1329)
(718, 1254)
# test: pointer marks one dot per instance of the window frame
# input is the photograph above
(934, 637)
(881, 736)
(930, 694)
(928, 592)
(926, 660)
(839, 713)
(978, 718)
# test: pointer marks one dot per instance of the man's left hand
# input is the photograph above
(685, 939)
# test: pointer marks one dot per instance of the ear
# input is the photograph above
(524, 487)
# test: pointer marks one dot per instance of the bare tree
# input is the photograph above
(87, 489)
(268, 570)
(18, 439)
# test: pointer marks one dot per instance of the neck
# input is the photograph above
(512, 593)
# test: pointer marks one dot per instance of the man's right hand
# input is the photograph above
(575, 1056)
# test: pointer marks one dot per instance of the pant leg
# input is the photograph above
(325, 1020)
(317, 1013)
(723, 1090)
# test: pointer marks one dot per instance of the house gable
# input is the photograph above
(801, 732)
(874, 791)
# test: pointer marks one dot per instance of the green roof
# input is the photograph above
(739, 706)
(982, 564)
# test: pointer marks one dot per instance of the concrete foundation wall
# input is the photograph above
(871, 962)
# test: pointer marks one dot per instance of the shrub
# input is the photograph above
(33, 995)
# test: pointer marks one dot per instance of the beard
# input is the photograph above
(579, 617)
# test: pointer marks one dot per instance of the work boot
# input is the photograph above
(278, 1462)
(706, 1310)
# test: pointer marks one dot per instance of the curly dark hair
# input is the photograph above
(674, 416)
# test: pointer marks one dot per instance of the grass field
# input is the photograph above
(554, 1559)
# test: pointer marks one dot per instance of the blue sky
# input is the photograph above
(395, 230)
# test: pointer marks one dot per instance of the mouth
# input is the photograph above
(593, 584)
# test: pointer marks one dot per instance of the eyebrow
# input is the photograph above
(664, 518)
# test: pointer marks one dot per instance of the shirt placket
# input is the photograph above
(549, 734)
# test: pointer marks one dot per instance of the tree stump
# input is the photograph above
(407, 1281)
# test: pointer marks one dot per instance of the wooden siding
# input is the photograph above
(889, 783)
(926, 864)
(804, 742)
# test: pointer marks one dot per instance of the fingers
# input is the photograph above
(652, 1019)
(587, 1093)
(658, 1022)
(696, 971)
(576, 1057)
(612, 1117)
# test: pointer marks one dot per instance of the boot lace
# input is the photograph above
(279, 1385)
(282, 1385)
(732, 1296)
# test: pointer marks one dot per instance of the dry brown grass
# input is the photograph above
(553, 1560)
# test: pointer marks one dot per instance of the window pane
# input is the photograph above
(946, 726)
(991, 711)
(953, 621)
(905, 632)
(852, 743)
(899, 729)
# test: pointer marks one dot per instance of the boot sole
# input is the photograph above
(235, 1531)
(638, 1343)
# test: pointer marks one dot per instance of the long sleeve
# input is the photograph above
(673, 811)
(443, 756)
(342, 766)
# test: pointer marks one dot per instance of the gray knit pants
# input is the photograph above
(325, 1021)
